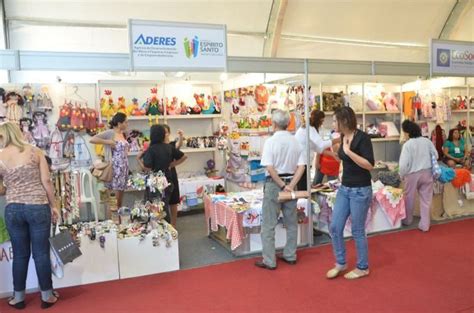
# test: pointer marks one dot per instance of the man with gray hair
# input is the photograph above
(285, 162)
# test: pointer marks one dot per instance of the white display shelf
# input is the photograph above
(193, 116)
(198, 150)
(385, 139)
(381, 112)
(332, 113)
(140, 118)
(460, 111)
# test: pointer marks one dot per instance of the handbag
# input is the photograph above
(63, 247)
(103, 171)
(56, 266)
(435, 168)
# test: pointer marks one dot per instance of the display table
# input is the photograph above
(385, 213)
(119, 259)
(192, 190)
(241, 225)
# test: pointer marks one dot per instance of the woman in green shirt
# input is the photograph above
(455, 150)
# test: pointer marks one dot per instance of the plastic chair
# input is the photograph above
(87, 192)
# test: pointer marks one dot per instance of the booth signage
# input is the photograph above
(168, 46)
(454, 58)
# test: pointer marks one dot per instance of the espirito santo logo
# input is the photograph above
(191, 47)
(444, 57)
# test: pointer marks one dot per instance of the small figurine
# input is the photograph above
(14, 105)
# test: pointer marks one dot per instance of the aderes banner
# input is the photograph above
(169, 46)
(454, 58)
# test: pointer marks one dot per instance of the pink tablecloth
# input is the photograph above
(219, 214)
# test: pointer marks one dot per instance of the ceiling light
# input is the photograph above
(224, 76)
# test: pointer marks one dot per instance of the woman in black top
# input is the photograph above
(161, 156)
(175, 196)
(354, 196)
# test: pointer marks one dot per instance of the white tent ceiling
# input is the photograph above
(384, 30)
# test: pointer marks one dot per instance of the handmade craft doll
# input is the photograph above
(14, 107)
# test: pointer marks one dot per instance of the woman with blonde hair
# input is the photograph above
(28, 213)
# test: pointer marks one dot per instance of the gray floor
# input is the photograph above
(196, 249)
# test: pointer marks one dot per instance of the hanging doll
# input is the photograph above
(40, 130)
(29, 101)
(26, 127)
(90, 121)
(14, 106)
(64, 121)
(3, 109)
(77, 118)
(44, 102)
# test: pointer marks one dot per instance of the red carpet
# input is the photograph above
(411, 272)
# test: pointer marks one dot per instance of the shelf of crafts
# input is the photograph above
(139, 118)
(192, 116)
(185, 150)
(381, 112)
(385, 139)
(332, 113)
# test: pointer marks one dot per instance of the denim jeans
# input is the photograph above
(354, 202)
(29, 227)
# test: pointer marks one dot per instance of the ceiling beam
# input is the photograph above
(275, 24)
(69, 23)
(459, 10)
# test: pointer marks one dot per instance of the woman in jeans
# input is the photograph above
(415, 169)
(354, 195)
(30, 208)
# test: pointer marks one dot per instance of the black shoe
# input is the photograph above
(293, 262)
(19, 305)
(261, 264)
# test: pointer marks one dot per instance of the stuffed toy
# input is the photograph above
(26, 126)
(107, 106)
(90, 122)
(390, 102)
(200, 100)
(217, 105)
(134, 108)
(210, 107)
(153, 105)
(77, 118)
(14, 105)
(3, 109)
(261, 95)
(184, 108)
(462, 102)
(121, 107)
(173, 107)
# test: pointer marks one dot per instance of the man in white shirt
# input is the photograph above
(285, 162)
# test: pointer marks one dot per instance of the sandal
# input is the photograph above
(47, 304)
(334, 272)
(356, 273)
(19, 305)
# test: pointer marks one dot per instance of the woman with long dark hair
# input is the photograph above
(316, 142)
(161, 156)
(354, 196)
(455, 150)
(116, 151)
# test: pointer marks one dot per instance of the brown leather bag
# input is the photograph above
(103, 171)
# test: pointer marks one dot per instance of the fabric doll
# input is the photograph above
(40, 130)
(64, 121)
(210, 107)
(14, 106)
(184, 108)
(26, 127)
(44, 102)
(77, 118)
(107, 106)
(121, 107)
(217, 105)
(29, 100)
(172, 108)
